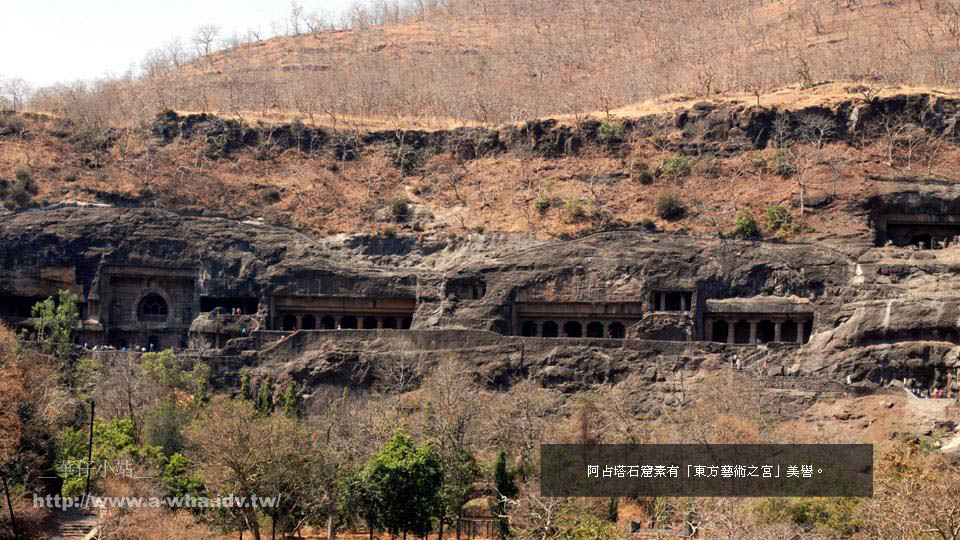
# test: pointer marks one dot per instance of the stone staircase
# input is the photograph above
(73, 524)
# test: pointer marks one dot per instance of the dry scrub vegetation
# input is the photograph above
(453, 62)
(396, 66)
(389, 188)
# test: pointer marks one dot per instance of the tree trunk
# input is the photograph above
(331, 531)
(440, 525)
(273, 527)
(250, 516)
(6, 493)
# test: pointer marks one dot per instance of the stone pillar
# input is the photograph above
(731, 329)
(379, 323)
(300, 322)
(708, 330)
(777, 328)
(663, 302)
(336, 321)
(683, 302)
(753, 331)
(799, 332)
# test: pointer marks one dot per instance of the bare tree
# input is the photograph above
(14, 93)
(204, 37)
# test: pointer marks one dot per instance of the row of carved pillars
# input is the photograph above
(764, 329)
(573, 328)
(308, 321)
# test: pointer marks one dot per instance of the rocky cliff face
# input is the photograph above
(877, 312)
(715, 128)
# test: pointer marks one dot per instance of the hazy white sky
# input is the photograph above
(45, 41)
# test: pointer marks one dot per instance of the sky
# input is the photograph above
(48, 41)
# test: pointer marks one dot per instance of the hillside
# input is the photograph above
(836, 144)
(490, 62)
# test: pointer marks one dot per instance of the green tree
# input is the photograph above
(169, 382)
(57, 322)
(460, 471)
(264, 403)
(113, 444)
(177, 477)
(405, 481)
(504, 488)
(293, 401)
(246, 391)
(166, 372)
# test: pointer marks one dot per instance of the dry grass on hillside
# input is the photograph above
(498, 61)
(514, 191)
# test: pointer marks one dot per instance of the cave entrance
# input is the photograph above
(246, 304)
(309, 322)
(551, 329)
(617, 330)
(595, 330)
(922, 241)
(921, 231)
(721, 331)
(788, 332)
(572, 329)
(528, 329)
(18, 306)
(741, 332)
(766, 331)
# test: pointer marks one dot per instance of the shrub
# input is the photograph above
(648, 224)
(670, 205)
(781, 221)
(822, 514)
(270, 195)
(678, 166)
(389, 232)
(573, 210)
(541, 203)
(779, 163)
(610, 134)
(408, 159)
(744, 225)
(216, 147)
(400, 208)
(641, 172)
(20, 194)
